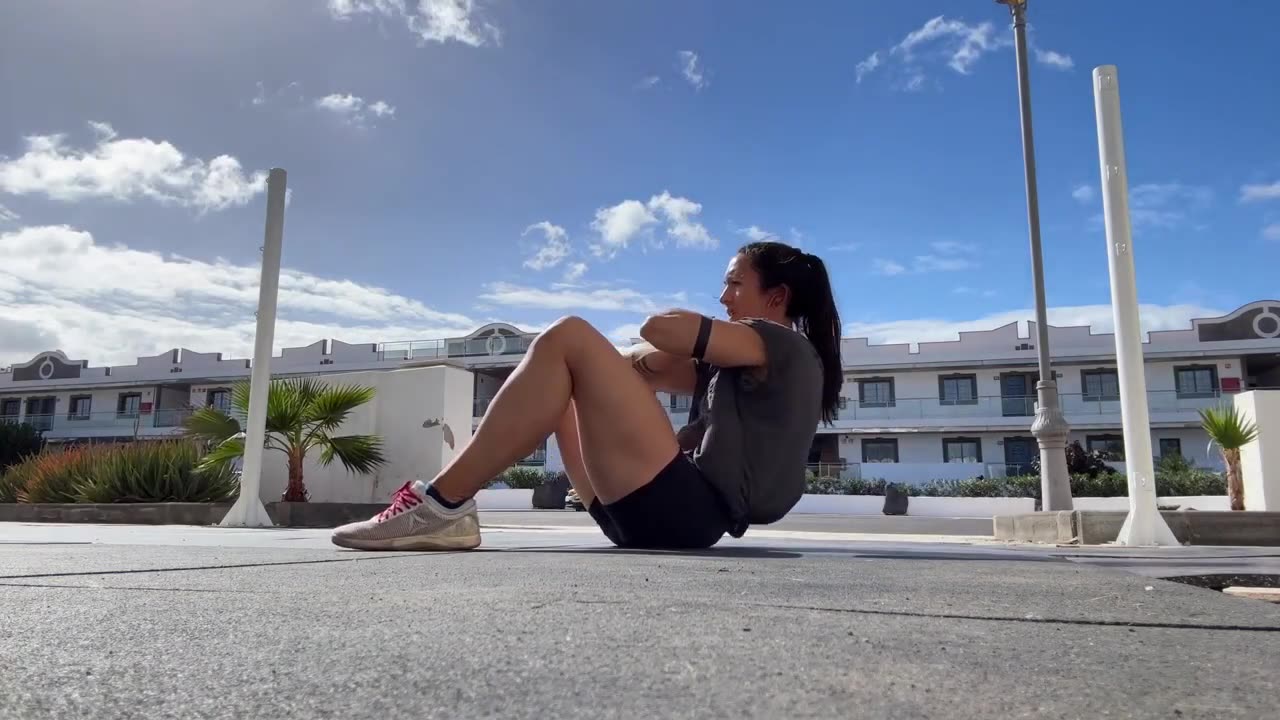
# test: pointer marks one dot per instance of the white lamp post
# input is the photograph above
(1144, 525)
(248, 510)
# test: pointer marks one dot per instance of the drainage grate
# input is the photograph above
(1221, 582)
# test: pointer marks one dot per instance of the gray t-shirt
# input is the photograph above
(750, 430)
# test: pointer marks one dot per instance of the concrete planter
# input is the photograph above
(918, 506)
(504, 499)
(1184, 502)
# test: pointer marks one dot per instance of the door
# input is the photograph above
(1017, 395)
(1019, 453)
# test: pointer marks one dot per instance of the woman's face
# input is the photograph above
(742, 296)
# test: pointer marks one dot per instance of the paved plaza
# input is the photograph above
(813, 617)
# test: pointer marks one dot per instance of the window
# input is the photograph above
(1170, 447)
(880, 450)
(40, 412)
(679, 403)
(961, 450)
(1100, 385)
(219, 399)
(958, 389)
(1196, 381)
(80, 407)
(875, 392)
(1111, 446)
(844, 402)
(129, 405)
(10, 409)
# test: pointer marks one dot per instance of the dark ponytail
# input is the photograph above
(811, 306)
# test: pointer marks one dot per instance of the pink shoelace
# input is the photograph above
(404, 499)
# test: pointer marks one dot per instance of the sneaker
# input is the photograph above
(414, 521)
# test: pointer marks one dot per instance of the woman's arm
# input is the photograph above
(729, 344)
(663, 371)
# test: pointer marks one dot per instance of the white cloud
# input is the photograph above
(948, 256)
(867, 66)
(7, 215)
(1099, 317)
(1083, 193)
(566, 298)
(84, 298)
(691, 68)
(966, 290)
(1271, 232)
(554, 249)
(1055, 60)
(624, 334)
(951, 247)
(756, 233)
(1254, 193)
(620, 224)
(844, 247)
(958, 44)
(574, 271)
(353, 109)
(648, 82)
(887, 267)
(940, 263)
(431, 20)
(126, 169)
(1165, 205)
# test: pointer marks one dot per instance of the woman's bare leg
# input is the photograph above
(625, 436)
(570, 444)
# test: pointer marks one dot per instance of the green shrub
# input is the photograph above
(159, 471)
(17, 442)
(522, 477)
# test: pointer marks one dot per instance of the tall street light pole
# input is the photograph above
(1050, 427)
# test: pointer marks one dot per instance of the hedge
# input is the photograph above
(147, 471)
(1111, 484)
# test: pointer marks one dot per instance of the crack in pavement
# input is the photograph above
(135, 587)
(1043, 620)
(231, 566)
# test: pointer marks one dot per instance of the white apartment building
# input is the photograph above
(936, 410)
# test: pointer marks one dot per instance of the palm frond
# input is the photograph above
(358, 453)
(222, 455)
(330, 407)
(210, 424)
(287, 405)
(240, 398)
(1227, 427)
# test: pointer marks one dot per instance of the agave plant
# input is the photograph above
(302, 414)
(1230, 431)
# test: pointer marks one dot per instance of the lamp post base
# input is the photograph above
(248, 511)
(1050, 430)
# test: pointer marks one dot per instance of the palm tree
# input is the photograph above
(1230, 431)
(302, 413)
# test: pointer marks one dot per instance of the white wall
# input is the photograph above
(1260, 459)
(404, 399)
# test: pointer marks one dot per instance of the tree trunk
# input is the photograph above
(296, 490)
(1235, 483)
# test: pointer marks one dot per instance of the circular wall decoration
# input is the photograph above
(46, 369)
(1266, 323)
(496, 344)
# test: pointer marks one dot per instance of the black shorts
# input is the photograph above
(677, 510)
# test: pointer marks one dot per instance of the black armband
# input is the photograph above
(704, 334)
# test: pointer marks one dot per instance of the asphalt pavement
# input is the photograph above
(545, 620)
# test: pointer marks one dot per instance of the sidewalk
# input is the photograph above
(547, 621)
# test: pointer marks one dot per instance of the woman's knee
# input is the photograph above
(568, 330)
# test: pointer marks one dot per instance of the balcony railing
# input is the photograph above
(493, 346)
(100, 424)
(997, 406)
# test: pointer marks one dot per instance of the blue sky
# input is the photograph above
(455, 162)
